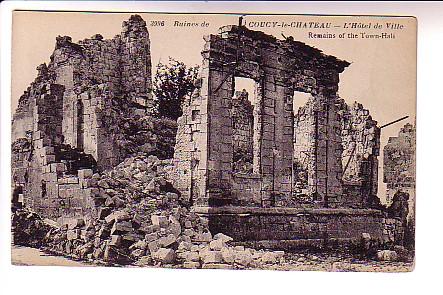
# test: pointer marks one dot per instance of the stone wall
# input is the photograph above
(357, 140)
(399, 166)
(87, 110)
(302, 226)
(361, 148)
(279, 68)
(242, 134)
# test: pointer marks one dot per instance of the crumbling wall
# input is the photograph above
(361, 147)
(87, 110)
(358, 139)
(279, 68)
(242, 124)
(399, 166)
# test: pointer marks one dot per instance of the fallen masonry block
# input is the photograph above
(223, 237)
(387, 255)
(121, 227)
(192, 256)
(150, 228)
(117, 216)
(211, 256)
(116, 240)
(217, 245)
(139, 245)
(243, 258)
(228, 255)
(203, 237)
(73, 234)
(164, 255)
(151, 237)
(184, 246)
(85, 173)
(167, 241)
(76, 223)
(153, 246)
(161, 221)
(269, 257)
(103, 212)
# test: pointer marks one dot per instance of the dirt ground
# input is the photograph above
(298, 262)
(31, 256)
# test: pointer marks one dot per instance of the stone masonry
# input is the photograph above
(359, 137)
(251, 170)
(279, 68)
(399, 166)
(73, 117)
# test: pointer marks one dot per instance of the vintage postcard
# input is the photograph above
(283, 142)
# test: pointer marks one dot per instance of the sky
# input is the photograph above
(382, 74)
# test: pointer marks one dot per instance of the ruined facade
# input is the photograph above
(312, 174)
(279, 68)
(399, 166)
(72, 120)
(252, 168)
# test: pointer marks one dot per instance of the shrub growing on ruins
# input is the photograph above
(173, 82)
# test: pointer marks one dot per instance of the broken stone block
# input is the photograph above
(192, 256)
(102, 183)
(137, 253)
(223, 237)
(153, 246)
(76, 223)
(73, 234)
(144, 260)
(160, 221)
(211, 256)
(269, 257)
(164, 255)
(204, 237)
(228, 255)
(167, 241)
(387, 255)
(121, 227)
(85, 173)
(217, 245)
(139, 245)
(243, 257)
(151, 237)
(103, 212)
(184, 246)
(117, 216)
(116, 240)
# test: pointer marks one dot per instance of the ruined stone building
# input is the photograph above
(260, 172)
(399, 166)
(73, 120)
(245, 161)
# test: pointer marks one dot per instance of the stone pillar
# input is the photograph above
(276, 147)
(220, 149)
(328, 152)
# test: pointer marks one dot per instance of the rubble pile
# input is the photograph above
(139, 218)
(29, 229)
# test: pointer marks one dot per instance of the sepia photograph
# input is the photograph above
(213, 141)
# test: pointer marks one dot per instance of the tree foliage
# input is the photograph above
(173, 83)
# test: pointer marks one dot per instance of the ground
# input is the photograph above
(299, 262)
(30, 256)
